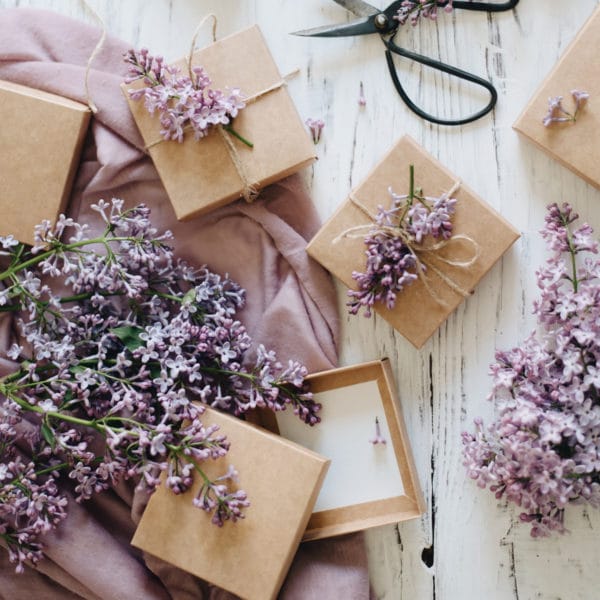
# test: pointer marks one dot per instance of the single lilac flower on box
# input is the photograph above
(315, 126)
(557, 112)
(378, 438)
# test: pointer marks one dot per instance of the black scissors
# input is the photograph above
(373, 20)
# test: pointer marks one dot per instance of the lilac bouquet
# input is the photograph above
(112, 373)
(542, 452)
(392, 245)
(413, 10)
(180, 101)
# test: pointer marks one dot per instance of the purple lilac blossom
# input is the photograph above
(377, 438)
(362, 101)
(181, 102)
(543, 450)
(413, 10)
(557, 113)
(391, 263)
(315, 126)
(113, 374)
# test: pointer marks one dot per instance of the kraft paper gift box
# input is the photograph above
(201, 175)
(252, 556)
(421, 307)
(40, 144)
(367, 485)
(575, 145)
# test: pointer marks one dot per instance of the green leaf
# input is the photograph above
(48, 433)
(129, 335)
(189, 296)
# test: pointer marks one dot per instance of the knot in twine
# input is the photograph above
(249, 190)
(421, 253)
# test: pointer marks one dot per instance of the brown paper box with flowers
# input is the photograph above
(218, 125)
(120, 347)
(411, 242)
(563, 115)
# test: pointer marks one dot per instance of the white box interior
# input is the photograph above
(359, 471)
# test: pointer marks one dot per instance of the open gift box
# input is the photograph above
(422, 306)
(252, 556)
(202, 175)
(40, 144)
(575, 145)
(372, 479)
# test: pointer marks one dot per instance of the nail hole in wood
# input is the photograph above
(427, 556)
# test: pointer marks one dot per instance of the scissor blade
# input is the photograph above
(360, 27)
(358, 7)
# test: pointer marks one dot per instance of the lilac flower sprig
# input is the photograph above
(392, 263)
(315, 127)
(114, 372)
(542, 450)
(180, 101)
(414, 10)
(558, 114)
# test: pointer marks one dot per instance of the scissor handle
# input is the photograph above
(392, 47)
(483, 6)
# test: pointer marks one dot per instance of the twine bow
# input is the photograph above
(249, 190)
(420, 253)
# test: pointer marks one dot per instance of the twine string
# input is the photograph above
(423, 255)
(195, 39)
(249, 192)
(91, 104)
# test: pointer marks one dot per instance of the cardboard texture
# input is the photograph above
(200, 176)
(575, 145)
(342, 516)
(251, 557)
(40, 144)
(417, 313)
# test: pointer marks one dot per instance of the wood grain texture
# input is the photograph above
(478, 548)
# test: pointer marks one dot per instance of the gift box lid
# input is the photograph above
(251, 557)
(201, 175)
(40, 143)
(420, 308)
(575, 145)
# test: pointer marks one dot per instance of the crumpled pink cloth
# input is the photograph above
(290, 308)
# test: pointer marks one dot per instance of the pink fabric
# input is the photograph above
(291, 308)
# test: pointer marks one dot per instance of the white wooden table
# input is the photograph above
(468, 546)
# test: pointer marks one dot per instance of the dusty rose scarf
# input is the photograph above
(291, 308)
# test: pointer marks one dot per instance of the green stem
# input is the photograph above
(34, 260)
(235, 134)
(573, 254)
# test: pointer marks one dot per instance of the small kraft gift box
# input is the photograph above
(202, 175)
(449, 270)
(40, 144)
(575, 144)
(372, 480)
(252, 556)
